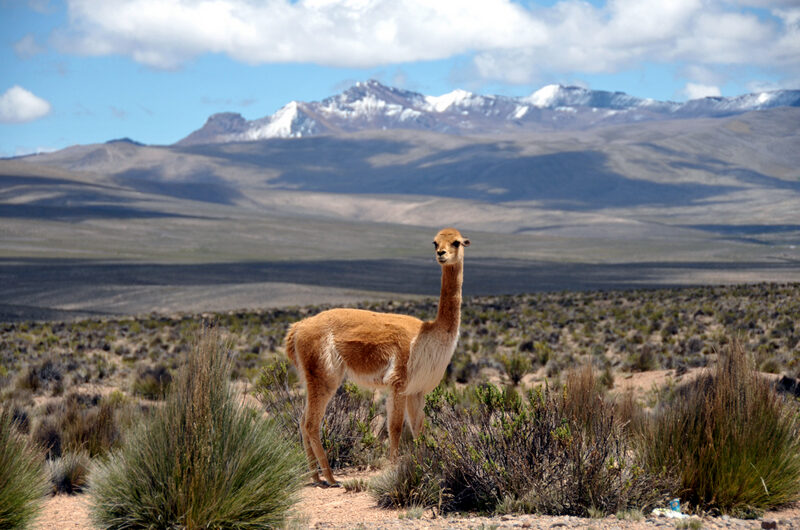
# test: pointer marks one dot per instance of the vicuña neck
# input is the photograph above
(449, 316)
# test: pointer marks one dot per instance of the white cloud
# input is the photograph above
(510, 42)
(18, 105)
(698, 91)
(165, 34)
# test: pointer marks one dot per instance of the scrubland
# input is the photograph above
(531, 417)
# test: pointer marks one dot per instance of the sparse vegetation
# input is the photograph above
(85, 387)
(543, 334)
(201, 460)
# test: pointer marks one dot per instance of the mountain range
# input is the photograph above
(564, 189)
(374, 106)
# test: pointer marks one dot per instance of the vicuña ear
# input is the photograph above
(465, 242)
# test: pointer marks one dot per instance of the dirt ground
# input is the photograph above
(336, 508)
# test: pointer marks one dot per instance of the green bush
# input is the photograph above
(23, 482)
(201, 460)
(734, 440)
(516, 366)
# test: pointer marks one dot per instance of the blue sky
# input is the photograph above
(86, 71)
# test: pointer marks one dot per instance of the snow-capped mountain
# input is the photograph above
(373, 106)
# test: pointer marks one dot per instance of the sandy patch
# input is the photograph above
(64, 511)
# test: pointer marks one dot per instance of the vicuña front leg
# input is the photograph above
(395, 411)
(415, 412)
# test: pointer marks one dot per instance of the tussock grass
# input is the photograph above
(202, 460)
(734, 440)
(414, 481)
(23, 482)
(69, 473)
(355, 485)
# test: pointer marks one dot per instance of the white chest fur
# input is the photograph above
(430, 354)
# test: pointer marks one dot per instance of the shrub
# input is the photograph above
(516, 366)
(69, 473)
(92, 429)
(152, 382)
(21, 419)
(555, 451)
(734, 440)
(41, 376)
(23, 483)
(348, 434)
(79, 423)
(48, 436)
(201, 460)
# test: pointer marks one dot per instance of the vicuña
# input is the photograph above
(401, 353)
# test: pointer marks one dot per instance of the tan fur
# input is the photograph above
(378, 350)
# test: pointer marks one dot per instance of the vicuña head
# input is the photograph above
(401, 353)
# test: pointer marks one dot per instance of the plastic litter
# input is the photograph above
(669, 514)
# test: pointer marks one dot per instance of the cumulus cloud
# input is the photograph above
(510, 42)
(698, 91)
(18, 105)
(354, 33)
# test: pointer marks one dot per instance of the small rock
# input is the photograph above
(769, 523)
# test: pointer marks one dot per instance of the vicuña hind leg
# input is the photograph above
(316, 402)
(395, 414)
(415, 412)
(313, 465)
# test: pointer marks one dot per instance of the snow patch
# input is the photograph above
(286, 123)
(545, 96)
(457, 97)
(764, 97)
(521, 111)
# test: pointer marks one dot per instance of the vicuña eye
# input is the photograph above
(456, 244)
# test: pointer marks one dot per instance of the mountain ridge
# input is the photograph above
(373, 106)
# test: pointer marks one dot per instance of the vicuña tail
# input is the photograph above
(289, 341)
